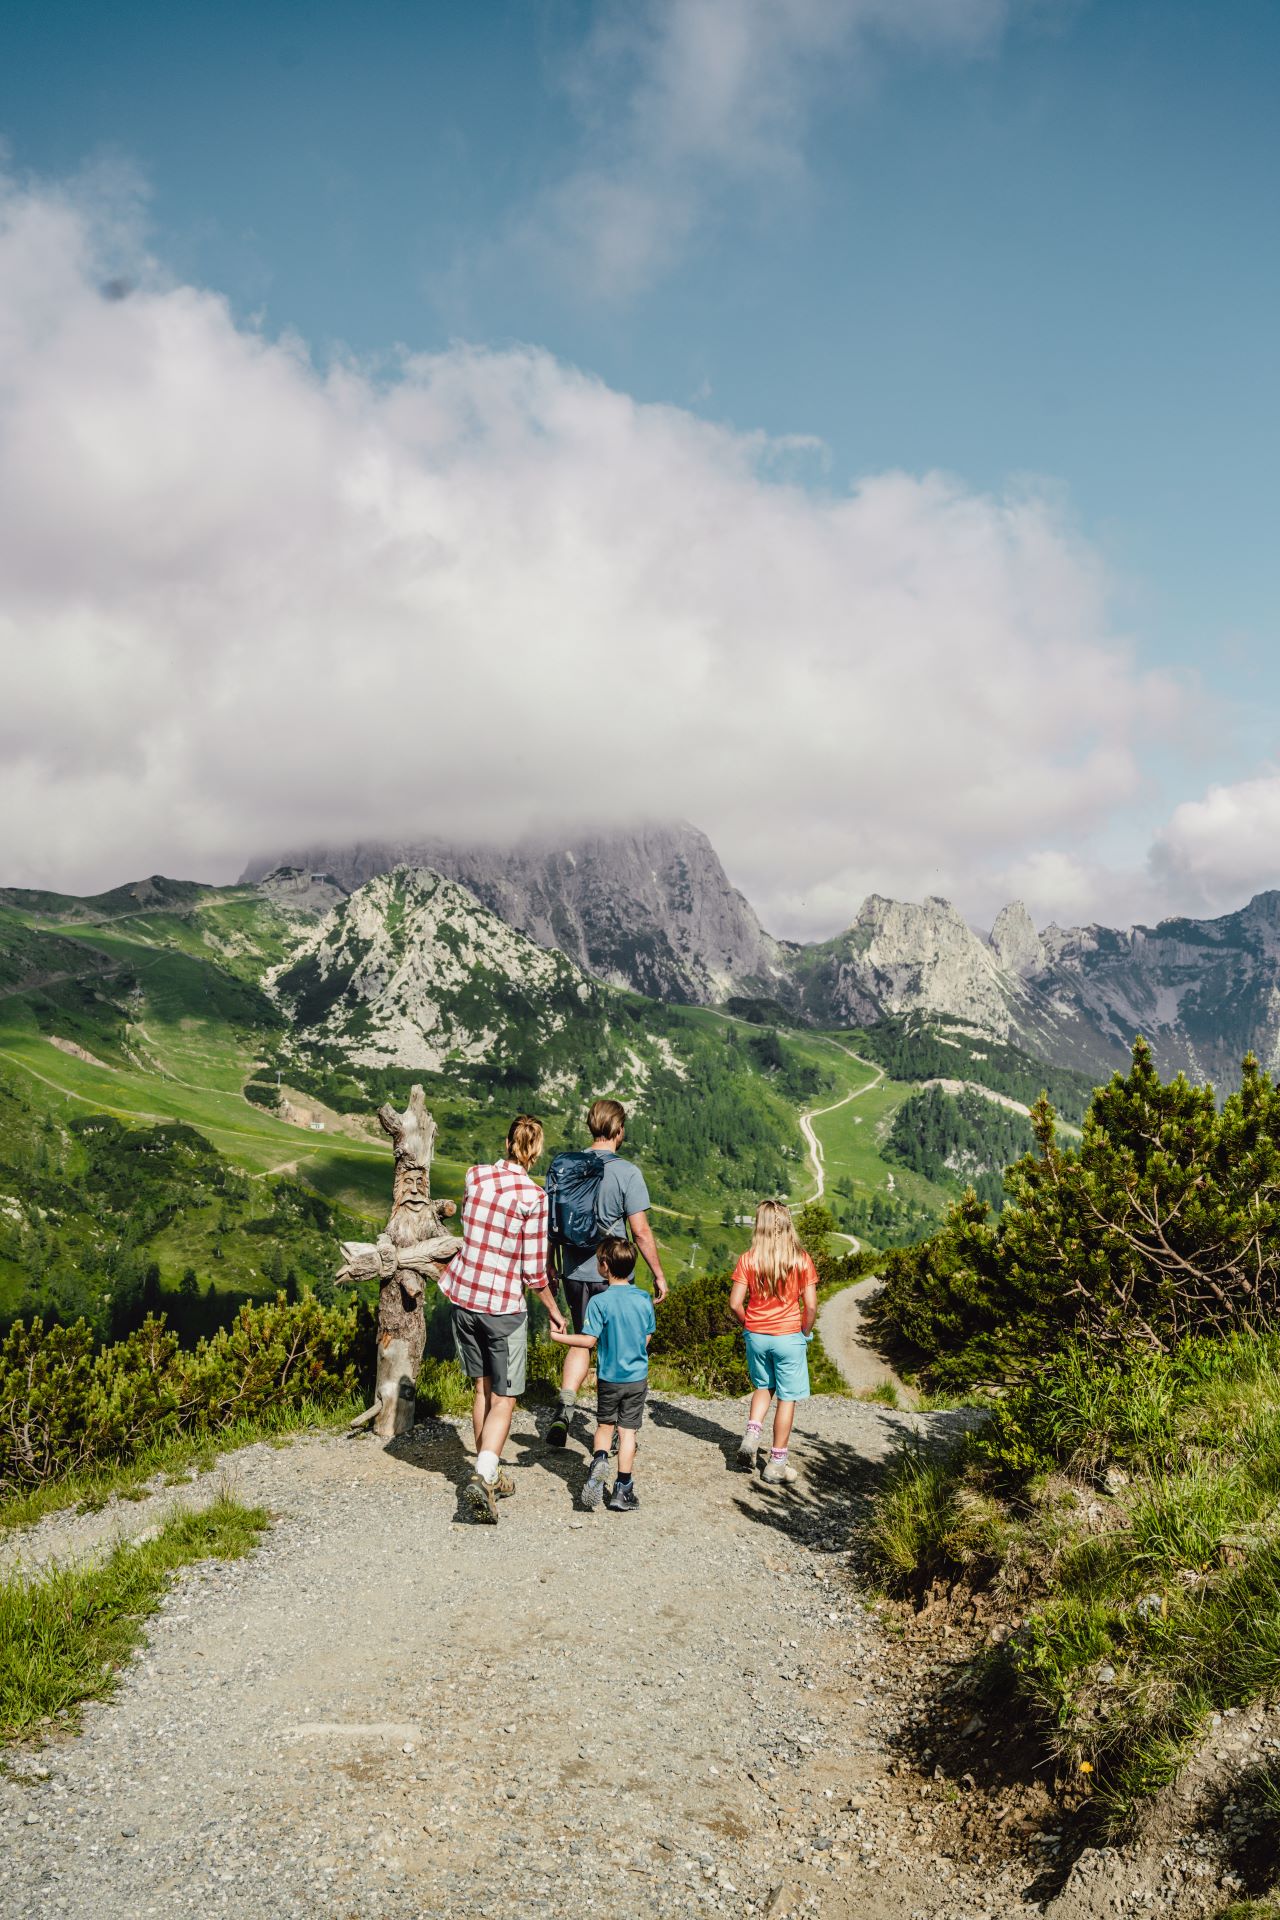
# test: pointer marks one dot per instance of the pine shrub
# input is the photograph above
(68, 1406)
(1164, 1224)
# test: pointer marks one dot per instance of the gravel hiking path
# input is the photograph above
(841, 1326)
(385, 1711)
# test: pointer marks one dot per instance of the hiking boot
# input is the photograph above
(623, 1499)
(557, 1433)
(779, 1473)
(478, 1501)
(593, 1487)
(748, 1448)
(503, 1486)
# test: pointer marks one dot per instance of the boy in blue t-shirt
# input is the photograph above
(619, 1324)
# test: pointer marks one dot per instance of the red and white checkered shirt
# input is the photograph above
(504, 1240)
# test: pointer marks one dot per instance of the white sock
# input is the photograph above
(487, 1466)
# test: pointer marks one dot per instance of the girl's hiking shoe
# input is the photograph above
(623, 1500)
(593, 1487)
(779, 1473)
(748, 1448)
(557, 1433)
(479, 1502)
(503, 1486)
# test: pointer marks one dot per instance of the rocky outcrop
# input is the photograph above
(412, 972)
(899, 957)
(1205, 992)
(302, 889)
(1017, 946)
(650, 908)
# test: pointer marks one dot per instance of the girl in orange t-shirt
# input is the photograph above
(774, 1297)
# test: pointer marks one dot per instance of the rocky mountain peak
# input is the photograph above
(1015, 942)
(648, 907)
(903, 956)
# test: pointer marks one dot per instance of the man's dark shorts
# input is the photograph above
(578, 1297)
(495, 1345)
(620, 1403)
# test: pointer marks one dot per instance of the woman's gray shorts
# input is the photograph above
(493, 1346)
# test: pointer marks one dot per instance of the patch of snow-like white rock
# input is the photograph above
(413, 942)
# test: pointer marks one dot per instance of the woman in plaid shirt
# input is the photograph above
(504, 1250)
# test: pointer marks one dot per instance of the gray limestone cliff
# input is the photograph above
(900, 957)
(649, 908)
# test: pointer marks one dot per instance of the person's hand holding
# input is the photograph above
(559, 1333)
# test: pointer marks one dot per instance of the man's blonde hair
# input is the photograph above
(606, 1119)
(524, 1140)
(775, 1248)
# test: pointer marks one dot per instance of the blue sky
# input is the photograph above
(1042, 247)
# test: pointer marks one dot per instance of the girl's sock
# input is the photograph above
(777, 1453)
(754, 1426)
(487, 1466)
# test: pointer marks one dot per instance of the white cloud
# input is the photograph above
(1217, 851)
(684, 100)
(246, 602)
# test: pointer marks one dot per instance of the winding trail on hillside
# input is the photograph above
(817, 1158)
(385, 1712)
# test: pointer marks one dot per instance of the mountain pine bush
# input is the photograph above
(70, 1407)
(1163, 1224)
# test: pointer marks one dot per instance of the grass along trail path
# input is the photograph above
(386, 1712)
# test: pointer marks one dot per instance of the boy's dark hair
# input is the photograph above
(617, 1257)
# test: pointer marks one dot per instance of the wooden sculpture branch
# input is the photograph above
(409, 1251)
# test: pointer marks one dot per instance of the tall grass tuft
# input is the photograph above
(1126, 1511)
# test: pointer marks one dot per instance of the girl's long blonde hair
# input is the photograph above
(775, 1249)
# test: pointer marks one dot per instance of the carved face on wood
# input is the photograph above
(414, 1188)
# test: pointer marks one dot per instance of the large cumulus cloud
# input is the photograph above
(246, 601)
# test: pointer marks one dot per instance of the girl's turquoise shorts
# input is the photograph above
(780, 1362)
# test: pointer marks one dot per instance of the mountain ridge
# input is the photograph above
(653, 909)
(650, 908)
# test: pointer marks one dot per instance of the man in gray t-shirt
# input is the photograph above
(622, 1203)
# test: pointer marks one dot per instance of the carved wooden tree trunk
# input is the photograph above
(410, 1251)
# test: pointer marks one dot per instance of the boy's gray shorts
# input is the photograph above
(620, 1403)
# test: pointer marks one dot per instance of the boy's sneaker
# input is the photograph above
(748, 1448)
(779, 1473)
(479, 1502)
(623, 1499)
(593, 1487)
(557, 1433)
(503, 1486)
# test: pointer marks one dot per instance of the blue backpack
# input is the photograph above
(573, 1188)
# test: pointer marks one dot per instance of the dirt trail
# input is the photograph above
(842, 1327)
(387, 1712)
(816, 1156)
